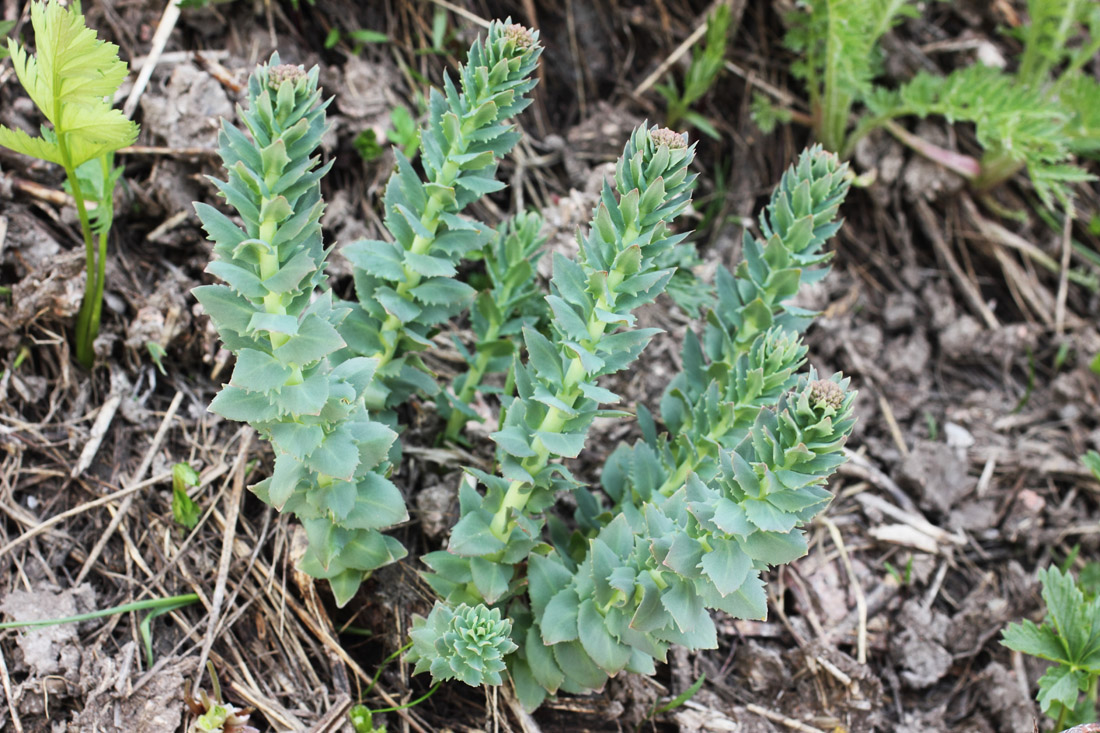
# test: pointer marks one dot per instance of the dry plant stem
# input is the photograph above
(266, 580)
(335, 718)
(99, 431)
(857, 589)
(124, 508)
(232, 512)
(462, 12)
(676, 55)
(1063, 279)
(782, 719)
(45, 525)
(15, 721)
(160, 40)
(931, 228)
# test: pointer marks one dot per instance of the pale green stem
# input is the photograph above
(273, 302)
(101, 265)
(835, 104)
(85, 354)
(677, 479)
(469, 386)
(518, 491)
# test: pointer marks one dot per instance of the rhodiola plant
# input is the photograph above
(512, 301)
(407, 287)
(686, 521)
(274, 313)
(695, 519)
(310, 366)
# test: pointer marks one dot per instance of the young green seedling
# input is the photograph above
(70, 79)
(1036, 119)
(1070, 637)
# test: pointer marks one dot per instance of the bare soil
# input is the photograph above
(975, 396)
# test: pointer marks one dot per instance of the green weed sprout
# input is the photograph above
(706, 63)
(71, 79)
(837, 41)
(331, 458)
(155, 607)
(1036, 119)
(1070, 637)
(184, 510)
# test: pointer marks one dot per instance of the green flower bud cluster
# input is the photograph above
(407, 287)
(466, 643)
(330, 456)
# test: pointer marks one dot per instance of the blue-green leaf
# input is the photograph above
(472, 537)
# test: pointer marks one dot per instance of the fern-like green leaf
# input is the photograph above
(71, 78)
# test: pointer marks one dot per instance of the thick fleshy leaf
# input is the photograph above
(559, 622)
(472, 537)
(605, 650)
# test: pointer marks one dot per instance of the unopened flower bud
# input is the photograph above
(664, 136)
(519, 36)
(284, 73)
(829, 392)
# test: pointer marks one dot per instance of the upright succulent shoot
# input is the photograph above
(275, 314)
(407, 287)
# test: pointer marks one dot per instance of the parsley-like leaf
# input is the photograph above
(71, 79)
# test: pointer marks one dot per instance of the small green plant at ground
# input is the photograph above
(527, 596)
(213, 714)
(403, 134)
(70, 78)
(706, 63)
(185, 511)
(1070, 637)
(1035, 119)
(1091, 459)
(660, 708)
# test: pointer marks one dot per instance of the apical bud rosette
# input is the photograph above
(467, 643)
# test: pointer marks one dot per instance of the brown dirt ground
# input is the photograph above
(975, 399)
